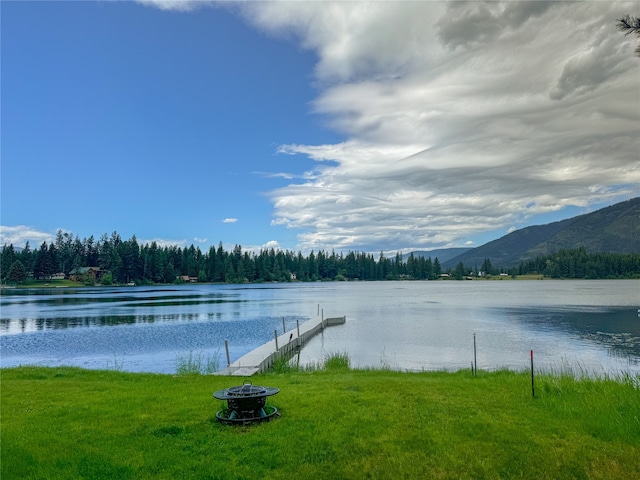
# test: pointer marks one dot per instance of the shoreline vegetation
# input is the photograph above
(111, 260)
(32, 283)
(27, 284)
(336, 422)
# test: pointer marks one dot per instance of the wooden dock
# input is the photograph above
(286, 345)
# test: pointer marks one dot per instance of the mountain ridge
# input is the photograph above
(612, 229)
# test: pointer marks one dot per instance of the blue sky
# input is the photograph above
(313, 125)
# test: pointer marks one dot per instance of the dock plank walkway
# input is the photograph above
(288, 343)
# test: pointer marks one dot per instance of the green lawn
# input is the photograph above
(65, 423)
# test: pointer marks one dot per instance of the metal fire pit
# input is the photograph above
(246, 404)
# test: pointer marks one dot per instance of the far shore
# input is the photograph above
(488, 278)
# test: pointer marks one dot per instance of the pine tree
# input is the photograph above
(630, 25)
(17, 272)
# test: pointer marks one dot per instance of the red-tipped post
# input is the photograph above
(533, 384)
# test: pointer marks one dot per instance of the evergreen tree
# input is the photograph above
(64, 249)
(7, 258)
(27, 257)
(486, 267)
(17, 273)
(43, 268)
(630, 25)
(459, 271)
(437, 269)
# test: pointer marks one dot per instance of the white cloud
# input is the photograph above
(179, 5)
(200, 240)
(163, 242)
(19, 235)
(458, 118)
(230, 220)
(255, 249)
(271, 244)
(477, 117)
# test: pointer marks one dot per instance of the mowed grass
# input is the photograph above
(65, 423)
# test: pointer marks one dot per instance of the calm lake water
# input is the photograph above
(586, 325)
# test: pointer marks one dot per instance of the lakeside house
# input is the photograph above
(188, 279)
(79, 274)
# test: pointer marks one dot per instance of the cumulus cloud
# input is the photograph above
(19, 235)
(271, 244)
(255, 249)
(163, 242)
(487, 115)
(230, 220)
(458, 118)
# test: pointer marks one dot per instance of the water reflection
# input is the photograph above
(616, 328)
(405, 325)
(23, 325)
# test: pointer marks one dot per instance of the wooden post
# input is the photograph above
(226, 347)
(284, 329)
(533, 385)
(298, 327)
(275, 335)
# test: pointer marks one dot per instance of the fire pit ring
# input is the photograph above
(246, 404)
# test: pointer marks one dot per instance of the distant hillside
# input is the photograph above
(443, 254)
(614, 229)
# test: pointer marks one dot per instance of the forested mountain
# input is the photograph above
(614, 229)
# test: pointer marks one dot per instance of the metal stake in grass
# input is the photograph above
(475, 360)
(533, 385)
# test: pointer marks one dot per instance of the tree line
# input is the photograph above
(577, 263)
(126, 261)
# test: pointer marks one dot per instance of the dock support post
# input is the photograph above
(284, 328)
(275, 334)
(226, 347)
(298, 327)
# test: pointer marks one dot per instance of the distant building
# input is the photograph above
(79, 274)
(188, 279)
